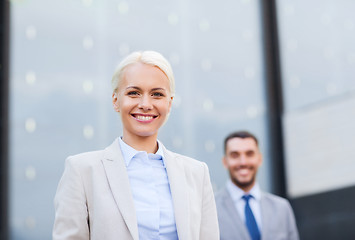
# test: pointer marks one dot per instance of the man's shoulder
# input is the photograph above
(274, 200)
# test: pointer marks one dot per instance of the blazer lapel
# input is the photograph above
(178, 188)
(241, 229)
(117, 177)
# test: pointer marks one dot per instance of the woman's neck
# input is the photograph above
(148, 144)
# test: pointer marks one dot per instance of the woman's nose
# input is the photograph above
(145, 103)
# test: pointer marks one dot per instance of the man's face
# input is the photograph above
(242, 159)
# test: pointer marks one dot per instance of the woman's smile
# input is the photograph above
(144, 118)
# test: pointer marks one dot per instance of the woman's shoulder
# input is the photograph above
(85, 158)
(186, 160)
(92, 157)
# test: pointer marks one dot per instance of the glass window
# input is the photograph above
(318, 62)
(63, 54)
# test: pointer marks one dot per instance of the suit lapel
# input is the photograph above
(241, 229)
(178, 188)
(117, 177)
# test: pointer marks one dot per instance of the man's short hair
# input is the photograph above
(239, 134)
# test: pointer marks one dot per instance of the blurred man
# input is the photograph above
(244, 211)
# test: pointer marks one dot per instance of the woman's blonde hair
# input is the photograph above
(147, 57)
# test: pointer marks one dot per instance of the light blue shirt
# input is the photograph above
(151, 193)
(254, 202)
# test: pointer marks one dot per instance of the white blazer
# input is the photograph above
(94, 199)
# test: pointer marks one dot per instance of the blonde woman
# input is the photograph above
(136, 188)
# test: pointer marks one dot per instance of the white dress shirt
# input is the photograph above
(151, 193)
(239, 203)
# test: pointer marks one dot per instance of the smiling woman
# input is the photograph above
(136, 188)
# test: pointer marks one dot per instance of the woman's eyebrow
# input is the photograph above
(158, 89)
(153, 89)
(134, 87)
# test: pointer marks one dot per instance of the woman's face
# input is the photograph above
(143, 99)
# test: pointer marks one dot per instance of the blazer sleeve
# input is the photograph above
(71, 214)
(209, 221)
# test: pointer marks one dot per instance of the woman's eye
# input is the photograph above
(158, 94)
(132, 93)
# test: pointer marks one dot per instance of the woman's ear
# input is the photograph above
(170, 102)
(115, 102)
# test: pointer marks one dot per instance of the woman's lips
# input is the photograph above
(144, 118)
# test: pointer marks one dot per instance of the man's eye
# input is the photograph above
(250, 154)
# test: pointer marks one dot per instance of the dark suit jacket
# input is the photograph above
(278, 221)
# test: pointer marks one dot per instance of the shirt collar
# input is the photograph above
(237, 193)
(129, 152)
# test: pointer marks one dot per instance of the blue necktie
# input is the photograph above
(250, 220)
